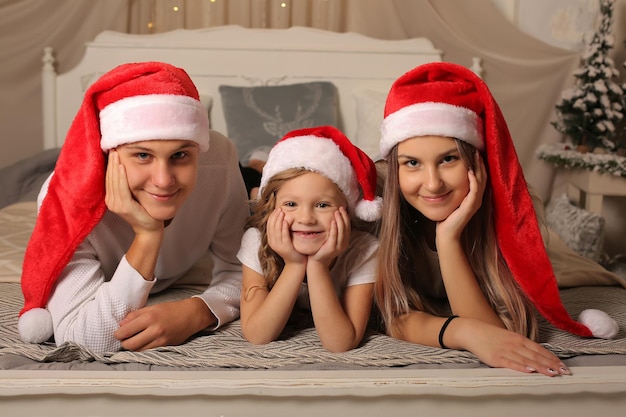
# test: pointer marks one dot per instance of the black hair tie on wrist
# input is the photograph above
(443, 330)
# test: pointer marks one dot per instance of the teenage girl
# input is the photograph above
(462, 263)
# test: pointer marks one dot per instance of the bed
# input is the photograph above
(221, 374)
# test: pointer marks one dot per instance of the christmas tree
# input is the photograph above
(589, 112)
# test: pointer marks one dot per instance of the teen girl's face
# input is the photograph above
(309, 202)
(432, 176)
(161, 174)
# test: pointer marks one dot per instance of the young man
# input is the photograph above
(136, 199)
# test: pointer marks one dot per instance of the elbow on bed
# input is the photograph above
(340, 346)
(255, 338)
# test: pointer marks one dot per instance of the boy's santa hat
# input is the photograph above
(444, 99)
(131, 103)
(327, 151)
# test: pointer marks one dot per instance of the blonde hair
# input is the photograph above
(404, 271)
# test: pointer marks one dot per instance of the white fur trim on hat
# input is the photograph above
(316, 154)
(154, 116)
(369, 210)
(601, 324)
(35, 325)
(431, 118)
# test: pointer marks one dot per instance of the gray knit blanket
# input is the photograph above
(227, 349)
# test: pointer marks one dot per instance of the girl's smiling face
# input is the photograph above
(432, 176)
(161, 174)
(309, 202)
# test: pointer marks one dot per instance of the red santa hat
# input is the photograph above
(327, 151)
(444, 99)
(132, 102)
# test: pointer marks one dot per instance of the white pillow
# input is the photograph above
(370, 108)
(207, 102)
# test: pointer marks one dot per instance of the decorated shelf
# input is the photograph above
(590, 176)
(563, 155)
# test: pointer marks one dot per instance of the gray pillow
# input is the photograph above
(22, 180)
(259, 116)
(581, 230)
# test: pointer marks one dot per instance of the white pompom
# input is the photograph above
(369, 210)
(35, 325)
(601, 324)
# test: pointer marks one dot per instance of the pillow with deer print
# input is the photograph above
(259, 116)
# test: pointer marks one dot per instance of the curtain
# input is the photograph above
(525, 75)
(153, 16)
(26, 27)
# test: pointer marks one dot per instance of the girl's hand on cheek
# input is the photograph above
(455, 223)
(478, 181)
(120, 201)
(279, 238)
(338, 238)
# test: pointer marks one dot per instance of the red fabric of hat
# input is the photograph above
(326, 150)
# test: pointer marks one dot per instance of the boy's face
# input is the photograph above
(161, 174)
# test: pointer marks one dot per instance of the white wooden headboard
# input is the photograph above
(234, 55)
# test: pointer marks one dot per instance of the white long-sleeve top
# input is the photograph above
(98, 287)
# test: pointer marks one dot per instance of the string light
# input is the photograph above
(153, 13)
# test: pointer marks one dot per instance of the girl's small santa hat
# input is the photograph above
(131, 103)
(327, 151)
(444, 99)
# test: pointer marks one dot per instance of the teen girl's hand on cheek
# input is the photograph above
(279, 238)
(337, 241)
(501, 348)
(454, 224)
(120, 201)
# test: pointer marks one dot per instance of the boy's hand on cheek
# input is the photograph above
(120, 201)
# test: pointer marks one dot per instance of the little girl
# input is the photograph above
(300, 249)
(462, 263)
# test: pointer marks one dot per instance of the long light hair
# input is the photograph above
(403, 269)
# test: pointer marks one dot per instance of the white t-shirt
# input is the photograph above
(357, 265)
